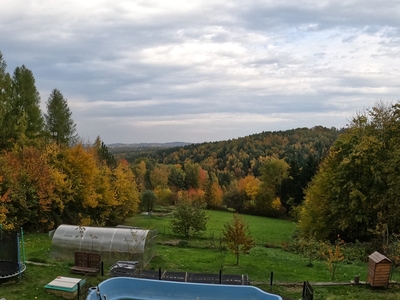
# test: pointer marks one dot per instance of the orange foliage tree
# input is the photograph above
(213, 193)
(237, 237)
(42, 187)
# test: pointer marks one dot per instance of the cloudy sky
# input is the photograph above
(198, 71)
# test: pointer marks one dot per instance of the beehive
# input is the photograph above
(379, 268)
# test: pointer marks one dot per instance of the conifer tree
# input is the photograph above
(3, 101)
(25, 105)
(104, 153)
(6, 127)
(58, 119)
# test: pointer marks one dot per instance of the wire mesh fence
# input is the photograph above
(214, 235)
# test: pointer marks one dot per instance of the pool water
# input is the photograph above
(127, 288)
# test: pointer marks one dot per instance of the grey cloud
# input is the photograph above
(127, 67)
(322, 15)
(349, 38)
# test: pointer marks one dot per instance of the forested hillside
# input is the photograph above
(240, 155)
(229, 164)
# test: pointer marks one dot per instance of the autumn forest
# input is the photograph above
(332, 181)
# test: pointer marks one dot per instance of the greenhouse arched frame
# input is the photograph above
(121, 243)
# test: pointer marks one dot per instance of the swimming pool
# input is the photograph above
(127, 288)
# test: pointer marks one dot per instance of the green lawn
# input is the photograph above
(263, 230)
(40, 270)
(202, 255)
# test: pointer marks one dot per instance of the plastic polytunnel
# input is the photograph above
(119, 243)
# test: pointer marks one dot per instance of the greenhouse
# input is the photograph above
(121, 243)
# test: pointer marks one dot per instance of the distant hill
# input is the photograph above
(148, 145)
(242, 155)
(302, 148)
(121, 148)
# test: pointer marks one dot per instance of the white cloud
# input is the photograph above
(152, 71)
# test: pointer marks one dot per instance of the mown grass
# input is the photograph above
(263, 230)
(203, 255)
(40, 270)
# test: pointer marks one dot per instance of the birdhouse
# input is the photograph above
(379, 268)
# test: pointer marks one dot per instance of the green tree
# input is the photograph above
(189, 220)
(273, 173)
(356, 189)
(192, 175)
(7, 124)
(25, 108)
(148, 200)
(176, 178)
(58, 119)
(235, 198)
(4, 100)
(238, 237)
(104, 153)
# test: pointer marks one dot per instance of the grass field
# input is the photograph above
(40, 270)
(263, 230)
(202, 255)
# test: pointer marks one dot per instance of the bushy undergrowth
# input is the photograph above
(392, 248)
(352, 252)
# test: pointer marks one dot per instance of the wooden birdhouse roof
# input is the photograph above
(377, 257)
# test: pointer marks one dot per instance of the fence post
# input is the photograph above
(220, 276)
(272, 279)
(159, 273)
(308, 292)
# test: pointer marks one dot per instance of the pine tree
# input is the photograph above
(6, 124)
(104, 153)
(25, 108)
(58, 119)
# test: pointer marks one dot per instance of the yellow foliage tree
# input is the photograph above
(164, 195)
(141, 171)
(333, 255)
(125, 192)
(237, 237)
(252, 187)
(159, 176)
(82, 170)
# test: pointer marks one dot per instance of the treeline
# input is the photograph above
(233, 173)
(356, 192)
(47, 176)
